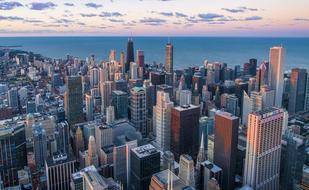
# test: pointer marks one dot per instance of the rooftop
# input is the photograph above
(145, 150)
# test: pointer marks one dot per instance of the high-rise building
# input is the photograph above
(225, 146)
(39, 146)
(210, 171)
(263, 150)
(13, 156)
(112, 55)
(94, 77)
(292, 160)
(169, 58)
(133, 71)
(185, 97)
(307, 93)
(120, 103)
(103, 136)
(138, 109)
(162, 120)
(130, 54)
(276, 60)
(185, 130)
(62, 137)
(166, 180)
(106, 89)
(13, 97)
(89, 107)
(297, 91)
(79, 141)
(145, 161)
(110, 114)
(168, 160)
(59, 169)
(140, 58)
(92, 156)
(186, 170)
(73, 100)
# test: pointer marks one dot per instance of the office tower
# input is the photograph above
(73, 100)
(103, 74)
(79, 141)
(251, 84)
(112, 55)
(292, 160)
(103, 136)
(92, 156)
(39, 146)
(94, 77)
(213, 184)
(169, 58)
(185, 97)
(13, 98)
(166, 180)
(120, 103)
(297, 91)
(262, 75)
(210, 172)
(59, 169)
(162, 120)
(133, 71)
(110, 114)
(130, 54)
(30, 107)
(306, 106)
(138, 109)
(253, 65)
(232, 104)
(89, 107)
(62, 137)
(225, 146)
(13, 156)
(276, 60)
(168, 160)
(122, 62)
(90, 179)
(186, 170)
(106, 89)
(157, 78)
(140, 58)
(184, 130)
(268, 96)
(145, 161)
(263, 149)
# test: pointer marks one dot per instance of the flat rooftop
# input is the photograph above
(145, 150)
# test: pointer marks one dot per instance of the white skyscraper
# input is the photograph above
(276, 59)
(162, 120)
(186, 170)
(262, 165)
(185, 97)
(133, 70)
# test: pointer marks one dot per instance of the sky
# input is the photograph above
(275, 18)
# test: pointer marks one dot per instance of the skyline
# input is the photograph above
(154, 18)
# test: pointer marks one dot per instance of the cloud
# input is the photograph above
(111, 14)
(152, 21)
(116, 20)
(41, 6)
(63, 21)
(239, 9)
(209, 16)
(69, 4)
(11, 18)
(253, 18)
(10, 5)
(93, 5)
(178, 14)
(88, 15)
(166, 13)
(302, 19)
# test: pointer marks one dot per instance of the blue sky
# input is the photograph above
(154, 18)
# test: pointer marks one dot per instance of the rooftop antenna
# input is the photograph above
(168, 40)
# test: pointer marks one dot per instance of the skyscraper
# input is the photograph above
(162, 120)
(276, 60)
(169, 58)
(138, 109)
(120, 103)
(39, 146)
(89, 107)
(263, 150)
(13, 156)
(13, 97)
(79, 141)
(140, 58)
(73, 100)
(186, 170)
(297, 91)
(225, 146)
(106, 89)
(185, 130)
(145, 161)
(130, 54)
(92, 156)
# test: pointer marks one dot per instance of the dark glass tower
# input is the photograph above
(130, 54)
